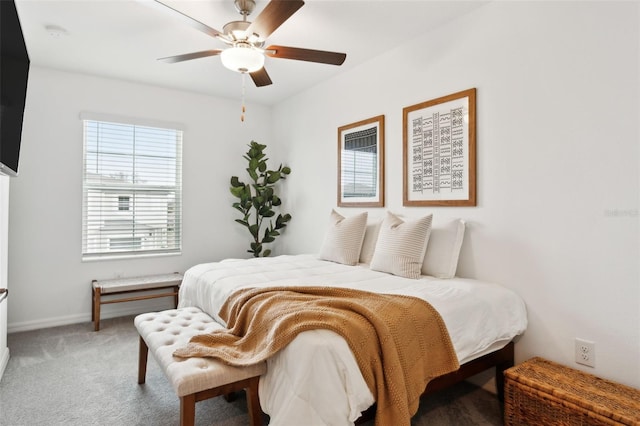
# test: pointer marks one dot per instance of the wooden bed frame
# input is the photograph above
(501, 359)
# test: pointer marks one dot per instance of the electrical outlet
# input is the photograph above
(585, 352)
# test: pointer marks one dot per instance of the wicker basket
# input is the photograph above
(540, 392)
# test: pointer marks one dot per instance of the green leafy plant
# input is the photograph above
(259, 199)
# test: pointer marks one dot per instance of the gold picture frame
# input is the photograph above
(361, 163)
(439, 151)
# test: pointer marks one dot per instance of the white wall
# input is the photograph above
(4, 244)
(558, 170)
(558, 173)
(50, 285)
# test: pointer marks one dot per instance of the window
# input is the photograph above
(124, 203)
(360, 164)
(132, 185)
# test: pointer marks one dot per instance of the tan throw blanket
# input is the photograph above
(399, 342)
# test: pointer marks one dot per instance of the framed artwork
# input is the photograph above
(361, 163)
(439, 151)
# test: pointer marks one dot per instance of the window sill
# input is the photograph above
(101, 257)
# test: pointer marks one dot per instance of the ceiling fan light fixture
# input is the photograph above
(242, 59)
(237, 30)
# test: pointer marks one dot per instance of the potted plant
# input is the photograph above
(258, 199)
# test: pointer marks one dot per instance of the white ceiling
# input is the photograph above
(123, 39)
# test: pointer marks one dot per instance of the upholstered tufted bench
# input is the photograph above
(193, 379)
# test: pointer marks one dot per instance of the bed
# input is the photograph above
(316, 377)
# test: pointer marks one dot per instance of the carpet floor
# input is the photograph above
(72, 375)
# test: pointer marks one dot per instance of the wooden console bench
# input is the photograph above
(541, 392)
(127, 286)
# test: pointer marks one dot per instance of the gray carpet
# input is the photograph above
(72, 375)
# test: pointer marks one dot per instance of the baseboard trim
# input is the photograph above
(17, 327)
(4, 360)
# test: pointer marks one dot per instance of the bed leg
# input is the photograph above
(230, 397)
(501, 367)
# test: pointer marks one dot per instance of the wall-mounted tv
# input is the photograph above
(14, 72)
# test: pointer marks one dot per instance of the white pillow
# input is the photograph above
(443, 249)
(370, 239)
(401, 245)
(343, 239)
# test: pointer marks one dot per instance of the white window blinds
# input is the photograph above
(132, 189)
(360, 164)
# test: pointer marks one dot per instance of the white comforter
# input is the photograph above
(315, 380)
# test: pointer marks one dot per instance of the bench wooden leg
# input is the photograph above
(95, 315)
(253, 402)
(142, 361)
(93, 301)
(188, 410)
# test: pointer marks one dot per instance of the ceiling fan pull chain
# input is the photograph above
(243, 91)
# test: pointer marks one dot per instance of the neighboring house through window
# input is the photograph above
(132, 187)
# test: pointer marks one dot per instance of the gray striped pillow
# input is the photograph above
(343, 239)
(401, 246)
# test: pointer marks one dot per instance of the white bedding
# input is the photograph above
(315, 379)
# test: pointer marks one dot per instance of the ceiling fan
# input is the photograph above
(246, 40)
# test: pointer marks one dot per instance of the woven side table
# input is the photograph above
(541, 392)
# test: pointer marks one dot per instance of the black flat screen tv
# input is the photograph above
(14, 72)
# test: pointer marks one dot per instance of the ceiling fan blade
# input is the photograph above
(189, 56)
(261, 77)
(310, 55)
(158, 5)
(274, 15)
